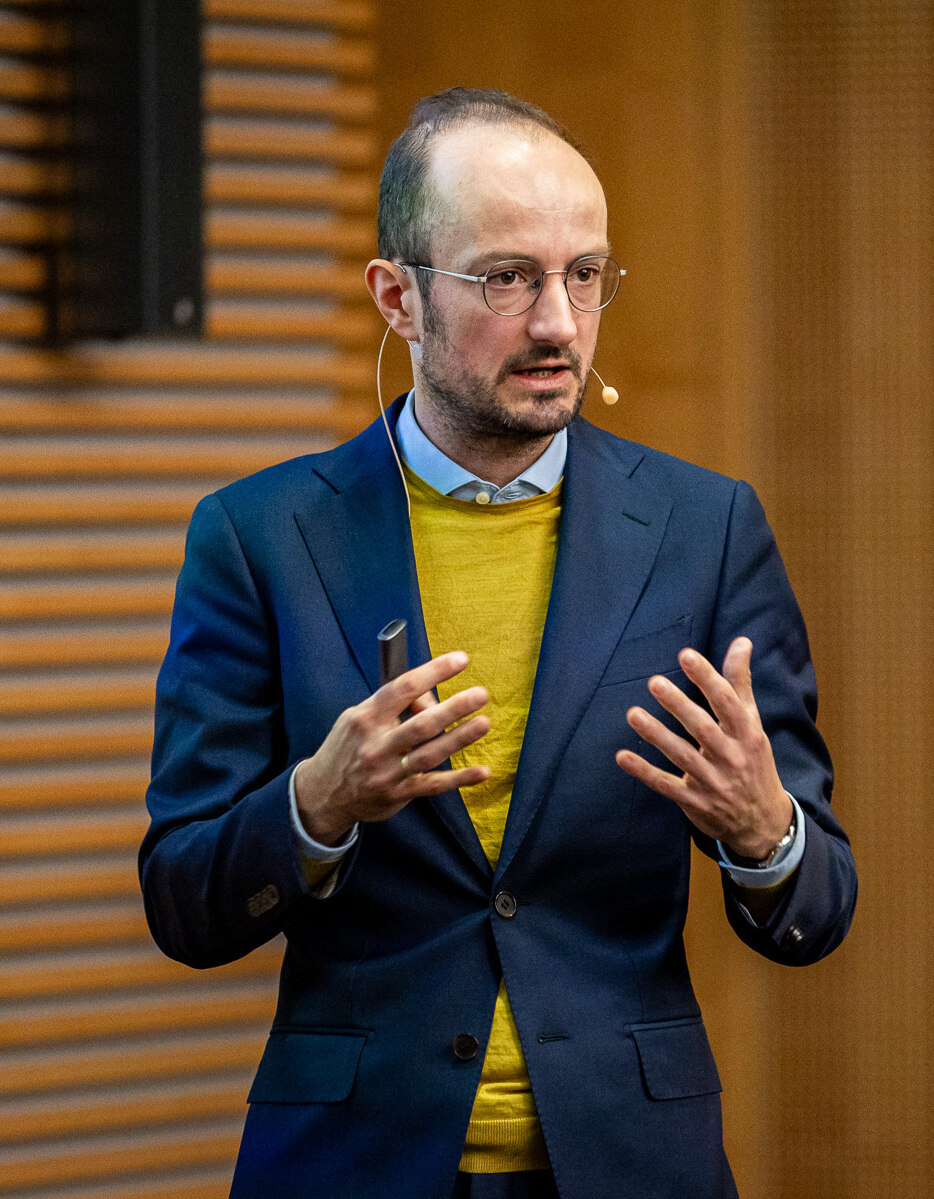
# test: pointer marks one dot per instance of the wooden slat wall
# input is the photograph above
(121, 1072)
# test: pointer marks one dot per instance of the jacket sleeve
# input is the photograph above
(755, 600)
(220, 867)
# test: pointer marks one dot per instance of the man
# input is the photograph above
(484, 991)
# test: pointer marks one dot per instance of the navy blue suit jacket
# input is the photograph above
(288, 576)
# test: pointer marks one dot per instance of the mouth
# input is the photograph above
(540, 372)
(543, 376)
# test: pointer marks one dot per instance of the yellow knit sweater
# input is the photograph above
(484, 573)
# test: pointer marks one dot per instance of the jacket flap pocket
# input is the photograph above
(651, 653)
(676, 1059)
(307, 1067)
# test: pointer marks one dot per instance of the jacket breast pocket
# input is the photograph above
(676, 1059)
(651, 653)
(308, 1067)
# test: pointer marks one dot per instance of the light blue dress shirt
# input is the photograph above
(444, 475)
(439, 472)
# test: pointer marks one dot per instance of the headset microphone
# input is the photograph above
(609, 395)
(382, 412)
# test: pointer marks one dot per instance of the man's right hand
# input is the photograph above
(371, 764)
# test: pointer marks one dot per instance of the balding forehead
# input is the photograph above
(477, 169)
(472, 146)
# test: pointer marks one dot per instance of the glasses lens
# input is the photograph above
(592, 283)
(512, 287)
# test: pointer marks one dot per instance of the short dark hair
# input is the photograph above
(407, 210)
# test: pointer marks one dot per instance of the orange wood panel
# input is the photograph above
(54, 740)
(285, 140)
(67, 882)
(287, 321)
(27, 34)
(79, 785)
(29, 81)
(235, 229)
(120, 458)
(23, 175)
(24, 130)
(46, 976)
(88, 552)
(31, 1071)
(64, 835)
(22, 318)
(30, 648)
(287, 95)
(20, 271)
(769, 174)
(283, 275)
(27, 223)
(73, 692)
(81, 599)
(125, 1156)
(230, 46)
(200, 365)
(40, 932)
(204, 1183)
(356, 15)
(190, 1007)
(276, 186)
(29, 1120)
(116, 412)
(103, 504)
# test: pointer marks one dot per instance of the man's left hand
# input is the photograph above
(729, 788)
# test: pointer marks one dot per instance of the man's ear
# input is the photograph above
(394, 290)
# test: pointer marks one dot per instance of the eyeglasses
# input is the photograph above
(512, 287)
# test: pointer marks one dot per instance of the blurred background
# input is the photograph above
(768, 167)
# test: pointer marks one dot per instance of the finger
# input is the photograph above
(678, 790)
(671, 787)
(737, 669)
(724, 702)
(393, 698)
(437, 781)
(695, 720)
(428, 700)
(661, 781)
(678, 751)
(435, 719)
(432, 753)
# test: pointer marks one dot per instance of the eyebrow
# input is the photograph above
(491, 257)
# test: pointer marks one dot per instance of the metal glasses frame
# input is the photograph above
(481, 279)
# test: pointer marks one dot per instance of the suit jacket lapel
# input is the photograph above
(358, 534)
(611, 531)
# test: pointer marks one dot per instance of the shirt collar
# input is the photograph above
(444, 475)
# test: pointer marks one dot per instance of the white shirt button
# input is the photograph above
(483, 497)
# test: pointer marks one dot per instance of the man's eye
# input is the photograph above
(586, 274)
(510, 278)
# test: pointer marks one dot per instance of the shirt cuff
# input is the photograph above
(307, 845)
(785, 863)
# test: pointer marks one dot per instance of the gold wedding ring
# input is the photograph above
(404, 763)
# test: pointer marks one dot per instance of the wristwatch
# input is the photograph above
(774, 852)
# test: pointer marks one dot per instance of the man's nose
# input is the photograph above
(552, 318)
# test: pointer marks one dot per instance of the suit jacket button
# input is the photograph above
(793, 936)
(505, 904)
(263, 901)
(465, 1046)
